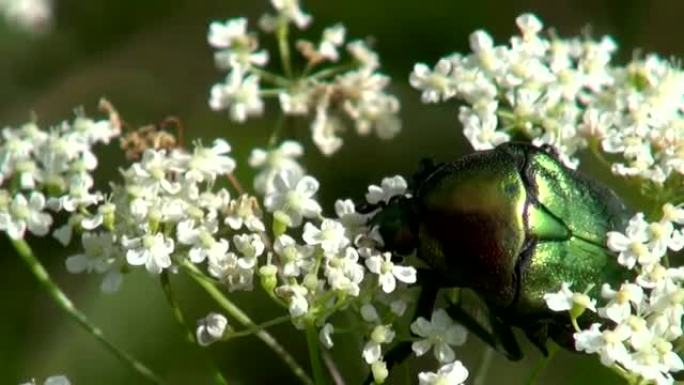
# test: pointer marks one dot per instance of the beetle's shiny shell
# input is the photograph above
(513, 223)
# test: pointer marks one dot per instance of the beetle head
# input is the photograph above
(397, 222)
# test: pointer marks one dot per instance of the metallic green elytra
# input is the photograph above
(512, 224)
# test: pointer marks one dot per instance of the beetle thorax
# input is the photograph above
(471, 228)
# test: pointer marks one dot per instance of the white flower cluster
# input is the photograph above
(34, 16)
(325, 91)
(41, 170)
(565, 93)
(167, 210)
(331, 263)
(440, 333)
(337, 256)
(642, 333)
(53, 380)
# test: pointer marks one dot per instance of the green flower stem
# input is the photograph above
(257, 328)
(332, 71)
(271, 77)
(542, 364)
(315, 354)
(270, 93)
(284, 47)
(332, 368)
(175, 307)
(630, 378)
(180, 319)
(272, 143)
(65, 304)
(485, 363)
(243, 319)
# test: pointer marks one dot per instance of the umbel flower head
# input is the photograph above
(43, 170)
(565, 93)
(332, 96)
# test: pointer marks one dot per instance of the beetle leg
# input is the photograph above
(538, 334)
(488, 328)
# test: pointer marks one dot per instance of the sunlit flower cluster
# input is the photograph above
(169, 209)
(49, 170)
(330, 94)
(34, 16)
(52, 380)
(643, 318)
(565, 93)
(337, 260)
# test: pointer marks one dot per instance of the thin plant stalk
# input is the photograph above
(315, 355)
(251, 331)
(485, 364)
(180, 319)
(332, 368)
(240, 316)
(175, 307)
(541, 365)
(284, 47)
(65, 304)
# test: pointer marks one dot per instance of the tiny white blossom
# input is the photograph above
(379, 371)
(225, 267)
(296, 296)
(619, 308)
(331, 236)
(631, 245)
(153, 251)
(293, 196)
(333, 37)
(21, 214)
(296, 100)
(325, 335)
(381, 334)
(450, 374)
(99, 249)
(388, 273)
(224, 35)
(437, 85)
(294, 258)
(211, 329)
(343, 271)
(566, 299)
(441, 332)
(250, 246)
(324, 130)
(291, 10)
(390, 187)
(239, 94)
(244, 211)
(369, 313)
(271, 162)
(482, 132)
(364, 55)
(207, 163)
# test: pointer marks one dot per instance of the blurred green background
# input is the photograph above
(150, 58)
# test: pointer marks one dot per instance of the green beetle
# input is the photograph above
(510, 224)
